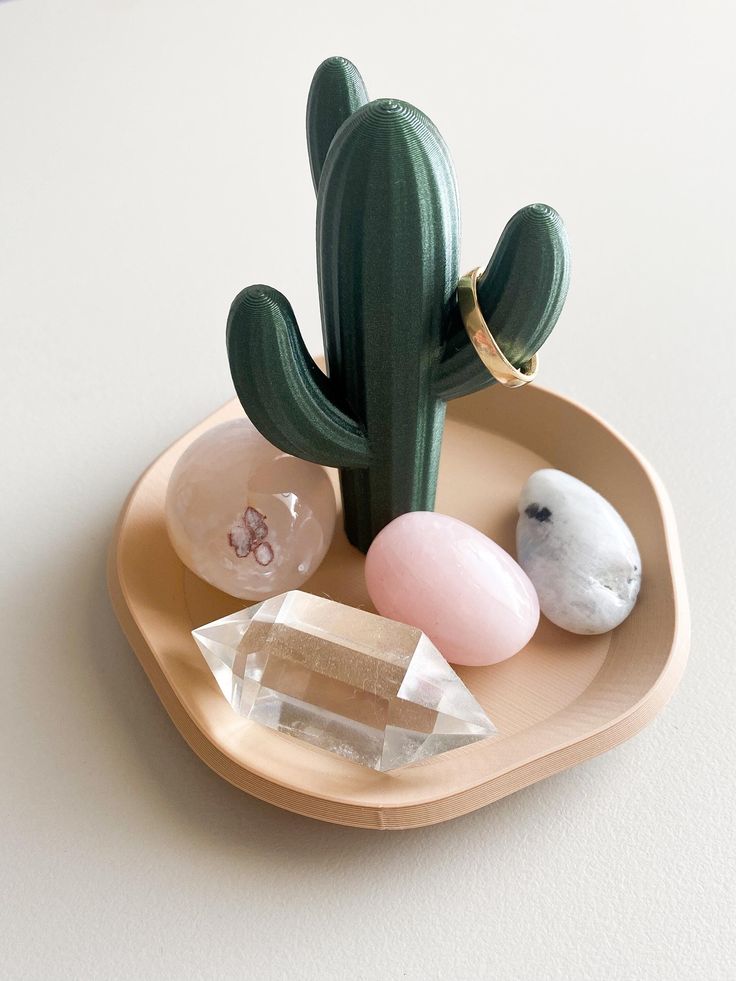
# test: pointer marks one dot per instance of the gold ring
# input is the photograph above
(483, 340)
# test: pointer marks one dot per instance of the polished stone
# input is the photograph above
(578, 552)
(462, 589)
(244, 516)
(371, 690)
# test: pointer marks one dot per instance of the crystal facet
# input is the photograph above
(372, 690)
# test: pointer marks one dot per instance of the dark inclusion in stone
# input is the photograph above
(248, 537)
(541, 514)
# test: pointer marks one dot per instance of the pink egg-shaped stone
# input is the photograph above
(468, 595)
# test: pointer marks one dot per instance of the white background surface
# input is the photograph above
(152, 163)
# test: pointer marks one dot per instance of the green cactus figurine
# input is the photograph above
(396, 347)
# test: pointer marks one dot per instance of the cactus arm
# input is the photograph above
(284, 393)
(337, 90)
(521, 293)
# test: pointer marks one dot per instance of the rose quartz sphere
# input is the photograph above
(246, 517)
(472, 600)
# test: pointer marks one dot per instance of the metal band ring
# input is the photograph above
(483, 340)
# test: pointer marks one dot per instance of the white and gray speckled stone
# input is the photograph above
(579, 553)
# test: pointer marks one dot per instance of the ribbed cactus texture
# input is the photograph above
(395, 345)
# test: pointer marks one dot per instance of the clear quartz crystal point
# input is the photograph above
(372, 690)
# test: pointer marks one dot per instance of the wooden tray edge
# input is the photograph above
(423, 814)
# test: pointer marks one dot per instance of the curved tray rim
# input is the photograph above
(423, 810)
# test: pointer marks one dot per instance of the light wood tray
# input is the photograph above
(560, 701)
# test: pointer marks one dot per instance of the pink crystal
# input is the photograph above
(470, 597)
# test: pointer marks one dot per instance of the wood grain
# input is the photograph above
(560, 701)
